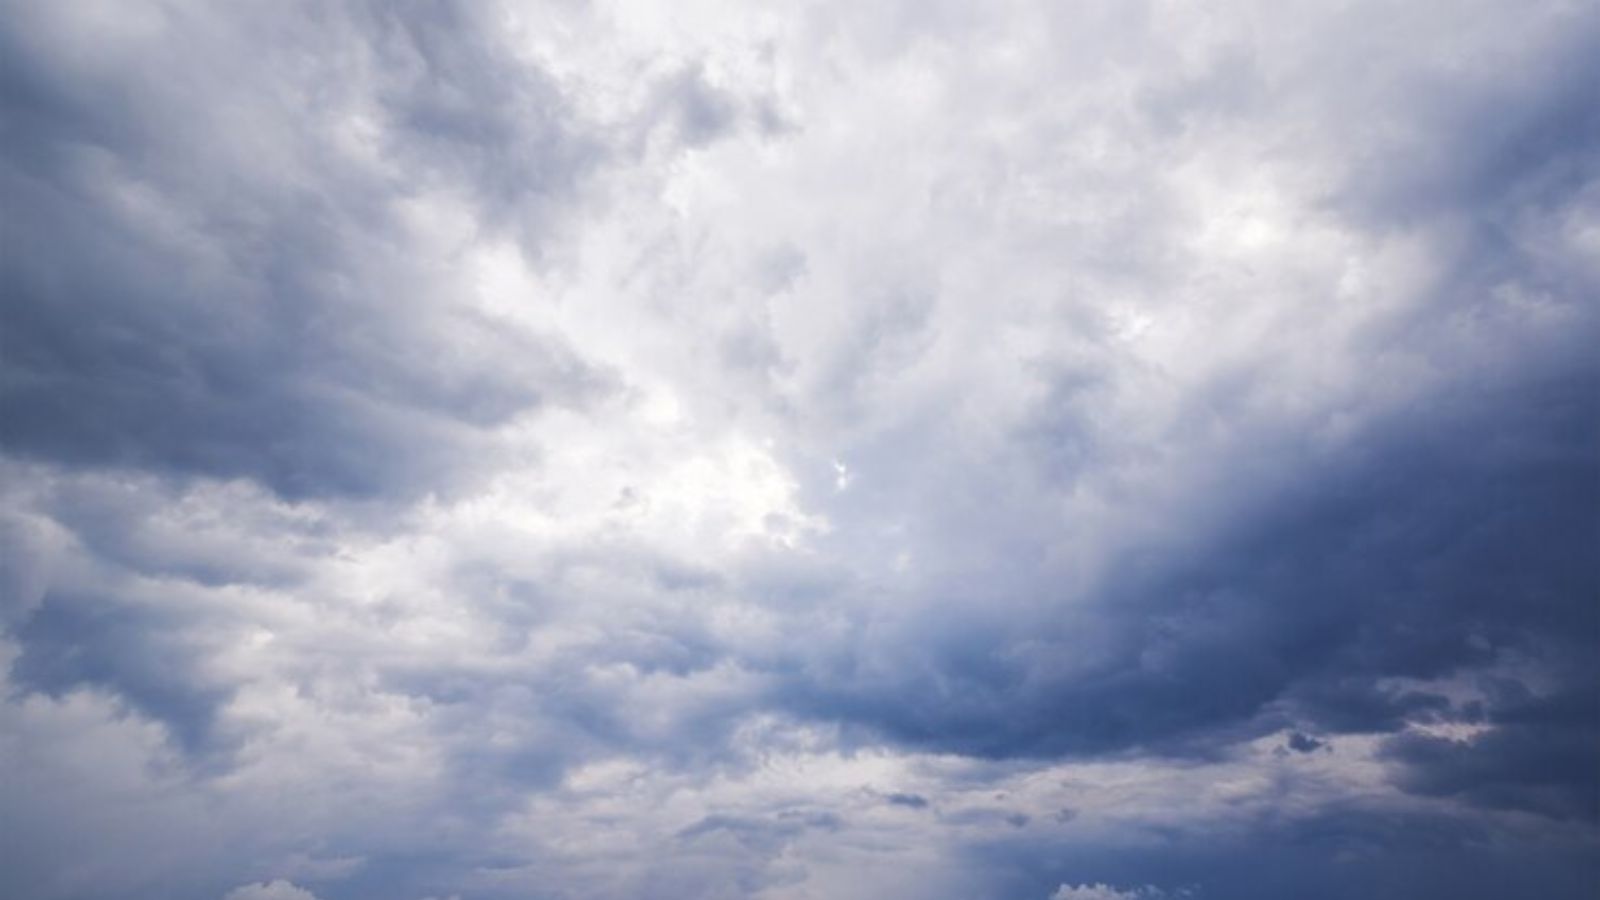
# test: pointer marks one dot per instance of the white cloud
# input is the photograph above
(1101, 891)
(269, 890)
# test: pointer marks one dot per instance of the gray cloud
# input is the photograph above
(214, 267)
(548, 450)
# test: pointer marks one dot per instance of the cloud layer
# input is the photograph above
(1096, 450)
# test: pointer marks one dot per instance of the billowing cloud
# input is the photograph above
(1098, 450)
(238, 260)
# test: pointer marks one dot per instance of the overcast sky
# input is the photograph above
(851, 450)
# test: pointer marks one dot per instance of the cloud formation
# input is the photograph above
(1104, 892)
(273, 890)
(1098, 450)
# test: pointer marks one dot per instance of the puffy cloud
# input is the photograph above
(269, 890)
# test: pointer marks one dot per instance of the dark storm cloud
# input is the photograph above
(1305, 743)
(204, 271)
(1538, 754)
(1332, 854)
(1452, 538)
(149, 658)
(1457, 535)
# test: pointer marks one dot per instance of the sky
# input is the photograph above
(847, 449)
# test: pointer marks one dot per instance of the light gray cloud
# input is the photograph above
(1104, 892)
(269, 890)
(616, 451)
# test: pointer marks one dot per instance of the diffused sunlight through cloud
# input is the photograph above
(1090, 451)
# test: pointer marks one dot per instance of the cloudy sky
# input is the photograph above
(906, 450)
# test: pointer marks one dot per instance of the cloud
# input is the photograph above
(1283, 612)
(587, 450)
(912, 801)
(229, 266)
(1305, 743)
(1536, 755)
(1103, 892)
(269, 890)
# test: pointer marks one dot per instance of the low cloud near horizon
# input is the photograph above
(1089, 450)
